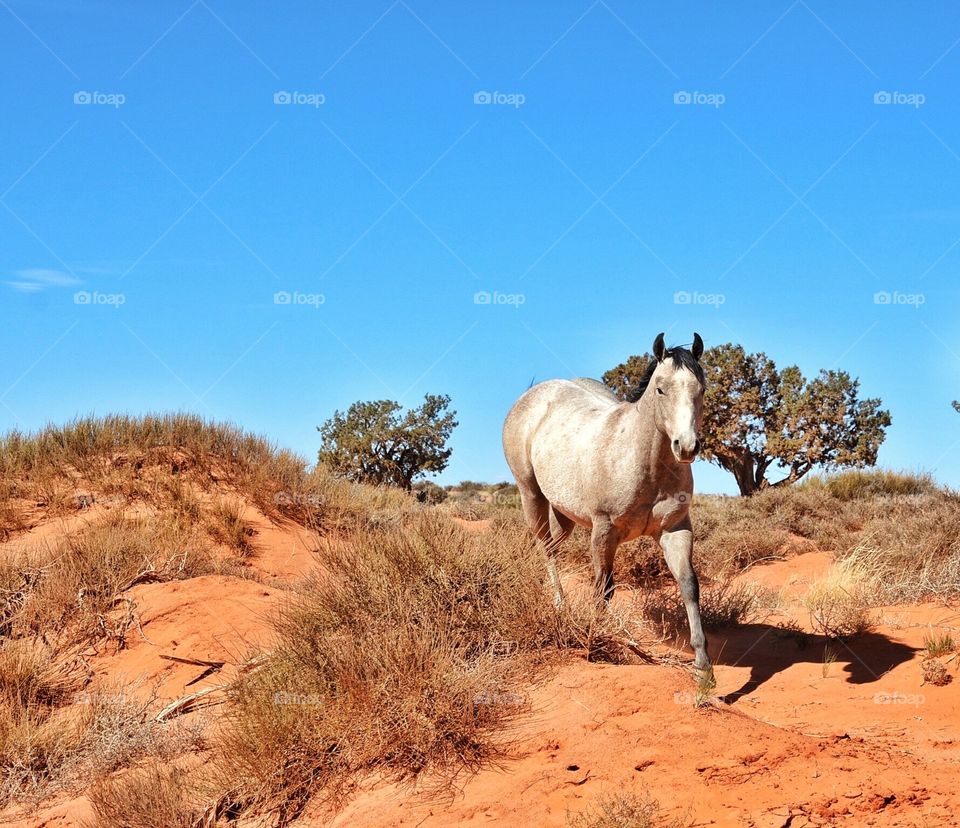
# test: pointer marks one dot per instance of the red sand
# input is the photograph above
(788, 741)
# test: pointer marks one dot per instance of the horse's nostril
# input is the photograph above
(676, 445)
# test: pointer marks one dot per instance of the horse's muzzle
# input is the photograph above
(686, 453)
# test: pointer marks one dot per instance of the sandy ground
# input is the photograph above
(790, 739)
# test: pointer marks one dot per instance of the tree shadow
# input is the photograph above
(768, 650)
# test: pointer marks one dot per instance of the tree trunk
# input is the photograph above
(741, 467)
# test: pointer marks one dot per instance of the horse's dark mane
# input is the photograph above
(682, 358)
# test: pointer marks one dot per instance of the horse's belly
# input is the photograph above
(577, 487)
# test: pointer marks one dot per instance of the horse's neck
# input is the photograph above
(652, 445)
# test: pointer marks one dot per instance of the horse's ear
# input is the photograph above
(697, 346)
(659, 348)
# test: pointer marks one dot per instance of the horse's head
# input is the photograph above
(677, 384)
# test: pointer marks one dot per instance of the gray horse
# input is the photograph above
(621, 469)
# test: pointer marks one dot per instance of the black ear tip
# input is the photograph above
(697, 345)
(658, 346)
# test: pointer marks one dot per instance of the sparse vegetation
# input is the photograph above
(623, 810)
(829, 659)
(228, 526)
(80, 583)
(940, 644)
(858, 484)
(839, 603)
(935, 673)
(48, 743)
(722, 604)
(411, 656)
(155, 795)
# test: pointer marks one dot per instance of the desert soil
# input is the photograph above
(789, 739)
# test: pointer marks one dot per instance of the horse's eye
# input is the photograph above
(660, 391)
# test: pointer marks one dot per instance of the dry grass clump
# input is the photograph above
(861, 484)
(227, 525)
(324, 502)
(117, 455)
(49, 742)
(839, 603)
(79, 585)
(913, 548)
(155, 795)
(170, 457)
(940, 644)
(934, 672)
(54, 601)
(731, 548)
(722, 604)
(623, 810)
(413, 657)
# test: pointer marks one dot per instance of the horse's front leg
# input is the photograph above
(678, 550)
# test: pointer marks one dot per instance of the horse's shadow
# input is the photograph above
(768, 650)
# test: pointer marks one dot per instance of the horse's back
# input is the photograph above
(538, 408)
(595, 387)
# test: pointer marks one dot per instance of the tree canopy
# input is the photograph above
(373, 442)
(758, 418)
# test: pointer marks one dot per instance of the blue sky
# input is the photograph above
(167, 169)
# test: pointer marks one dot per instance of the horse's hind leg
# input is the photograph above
(678, 550)
(604, 541)
(560, 529)
(536, 510)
